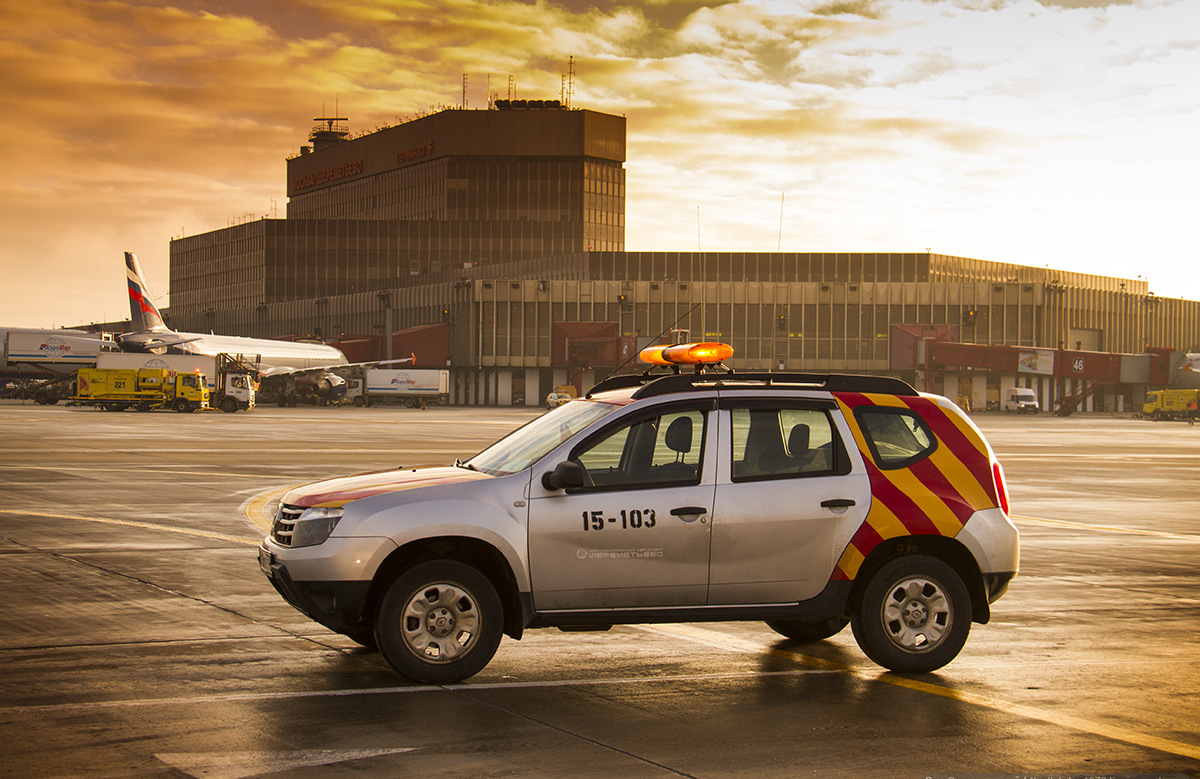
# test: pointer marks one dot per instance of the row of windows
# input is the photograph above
(768, 442)
(763, 333)
(756, 266)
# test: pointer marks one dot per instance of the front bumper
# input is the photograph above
(338, 602)
(336, 605)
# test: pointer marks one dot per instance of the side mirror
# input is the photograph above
(566, 475)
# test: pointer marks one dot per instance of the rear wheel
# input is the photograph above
(808, 632)
(440, 621)
(914, 615)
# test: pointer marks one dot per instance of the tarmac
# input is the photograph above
(140, 639)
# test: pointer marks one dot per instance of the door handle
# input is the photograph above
(837, 503)
(689, 513)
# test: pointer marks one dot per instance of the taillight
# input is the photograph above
(1001, 490)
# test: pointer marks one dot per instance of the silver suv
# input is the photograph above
(806, 501)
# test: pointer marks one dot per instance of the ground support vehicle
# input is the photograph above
(806, 501)
(47, 392)
(231, 378)
(1021, 399)
(114, 389)
(1171, 404)
(563, 393)
(410, 386)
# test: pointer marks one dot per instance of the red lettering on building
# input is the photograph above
(415, 153)
(327, 175)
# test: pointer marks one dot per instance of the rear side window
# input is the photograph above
(772, 442)
(897, 437)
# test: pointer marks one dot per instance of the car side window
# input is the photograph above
(897, 437)
(658, 451)
(784, 442)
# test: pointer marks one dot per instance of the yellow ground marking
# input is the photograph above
(185, 531)
(1104, 730)
(1107, 528)
(255, 509)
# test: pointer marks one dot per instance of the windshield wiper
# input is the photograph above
(460, 464)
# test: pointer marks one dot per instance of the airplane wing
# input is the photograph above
(280, 370)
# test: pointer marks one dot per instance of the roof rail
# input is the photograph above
(651, 386)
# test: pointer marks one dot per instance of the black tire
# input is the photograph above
(914, 615)
(440, 622)
(808, 632)
(229, 405)
(182, 405)
(359, 402)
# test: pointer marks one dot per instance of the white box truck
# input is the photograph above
(410, 386)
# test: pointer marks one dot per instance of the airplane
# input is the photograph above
(1189, 372)
(290, 370)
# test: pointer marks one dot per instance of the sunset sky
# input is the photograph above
(1039, 132)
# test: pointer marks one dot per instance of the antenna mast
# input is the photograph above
(570, 91)
(780, 246)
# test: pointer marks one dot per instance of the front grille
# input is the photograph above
(285, 523)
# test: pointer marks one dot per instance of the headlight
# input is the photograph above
(314, 526)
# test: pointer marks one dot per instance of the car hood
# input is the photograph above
(340, 491)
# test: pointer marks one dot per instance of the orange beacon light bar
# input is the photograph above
(686, 354)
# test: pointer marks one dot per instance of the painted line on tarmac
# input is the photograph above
(185, 531)
(719, 640)
(256, 509)
(142, 471)
(416, 688)
(1108, 528)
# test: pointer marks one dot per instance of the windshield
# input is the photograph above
(533, 441)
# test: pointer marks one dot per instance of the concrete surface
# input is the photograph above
(140, 639)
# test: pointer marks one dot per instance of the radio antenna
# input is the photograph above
(780, 246)
(666, 330)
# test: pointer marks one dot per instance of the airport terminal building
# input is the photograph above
(492, 241)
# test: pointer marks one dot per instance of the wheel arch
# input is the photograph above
(479, 554)
(948, 550)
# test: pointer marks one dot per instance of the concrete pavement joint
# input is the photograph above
(463, 693)
(169, 591)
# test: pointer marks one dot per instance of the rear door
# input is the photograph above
(790, 496)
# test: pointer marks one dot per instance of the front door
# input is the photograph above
(636, 535)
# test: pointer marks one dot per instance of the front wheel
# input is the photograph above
(440, 622)
(808, 632)
(182, 405)
(229, 405)
(914, 615)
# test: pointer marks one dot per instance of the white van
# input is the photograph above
(1021, 399)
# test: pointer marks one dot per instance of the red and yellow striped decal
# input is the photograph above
(935, 496)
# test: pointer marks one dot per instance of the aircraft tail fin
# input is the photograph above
(142, 311)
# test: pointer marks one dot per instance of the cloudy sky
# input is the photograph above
(1040, 132)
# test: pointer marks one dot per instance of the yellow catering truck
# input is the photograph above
(114, 389)
(1171, 404)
